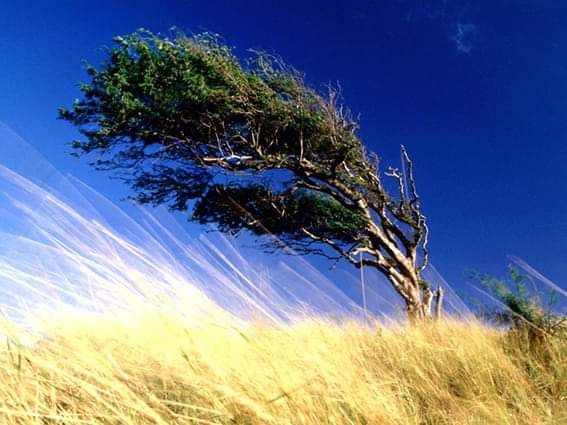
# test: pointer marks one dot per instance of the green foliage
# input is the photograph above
(154, 91)
(284, 213)
(521, 309)
(424, 284)
(173, 117)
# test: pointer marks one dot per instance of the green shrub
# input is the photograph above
(521, 309)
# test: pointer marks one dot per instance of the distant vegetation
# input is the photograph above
(521, 309)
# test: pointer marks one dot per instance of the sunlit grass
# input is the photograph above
(158, 369)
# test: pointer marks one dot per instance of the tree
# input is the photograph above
(251, 147)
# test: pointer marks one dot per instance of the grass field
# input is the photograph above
(158, 369)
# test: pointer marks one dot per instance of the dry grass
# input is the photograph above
(156, 369)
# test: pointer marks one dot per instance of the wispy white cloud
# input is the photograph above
(463, 36)
(453, 15)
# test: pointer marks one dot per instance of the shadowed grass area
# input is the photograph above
(155, 369)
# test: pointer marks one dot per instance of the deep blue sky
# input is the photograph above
(477, 91)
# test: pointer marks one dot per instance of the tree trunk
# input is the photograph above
(419, 300)
(419, 304)
(418, 311)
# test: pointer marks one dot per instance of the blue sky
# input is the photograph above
(477, 91)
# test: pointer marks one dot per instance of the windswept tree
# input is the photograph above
(251, 147)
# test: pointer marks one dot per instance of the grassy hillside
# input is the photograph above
(155, 369)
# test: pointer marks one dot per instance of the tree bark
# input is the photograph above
(439, 296)
(418, 311)
(418, 299)
(419, 305)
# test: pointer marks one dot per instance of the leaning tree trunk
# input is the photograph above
(419, 298)
(402, 234)
(418, 307)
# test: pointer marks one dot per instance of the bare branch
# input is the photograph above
(394, 172)
(439, 295)
(333, 245)
(414, 198)
(424, 247)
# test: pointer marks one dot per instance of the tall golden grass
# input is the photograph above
(155, 368)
